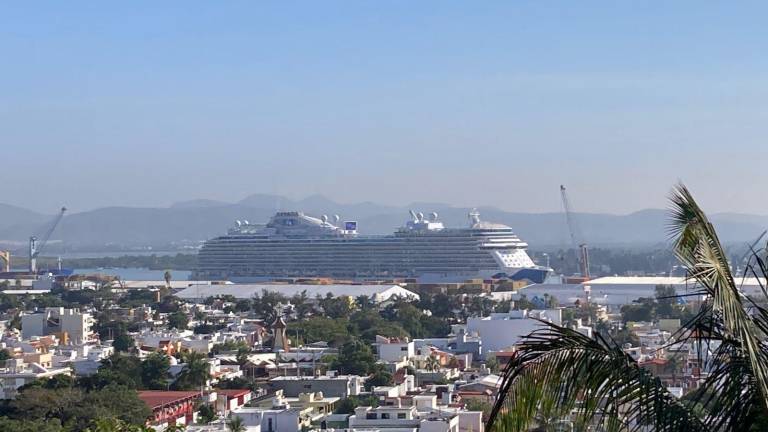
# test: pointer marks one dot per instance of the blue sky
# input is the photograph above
(492, 103)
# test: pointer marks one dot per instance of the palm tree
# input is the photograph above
(195, 373)
(235, 424)
(560, 373)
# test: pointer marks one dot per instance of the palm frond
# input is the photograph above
(559, 373)
(698, 247)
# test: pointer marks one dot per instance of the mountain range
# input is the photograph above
(189, 222)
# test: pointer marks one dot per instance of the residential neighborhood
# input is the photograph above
(275, 359)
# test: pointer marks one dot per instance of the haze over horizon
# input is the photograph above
(493, 104)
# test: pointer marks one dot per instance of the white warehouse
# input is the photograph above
(378, 293)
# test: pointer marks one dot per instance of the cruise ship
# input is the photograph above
(293, 244)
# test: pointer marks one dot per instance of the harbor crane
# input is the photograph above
(35, 247)
(578, 243)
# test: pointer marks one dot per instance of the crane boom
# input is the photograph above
(578, 243)
(35, 247)
(568, 217)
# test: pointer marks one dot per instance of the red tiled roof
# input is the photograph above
(233, 393)
(158, 398)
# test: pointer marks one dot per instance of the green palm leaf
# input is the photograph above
(698, 247)
(560, 373)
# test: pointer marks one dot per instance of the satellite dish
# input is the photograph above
(245, 222)
(413, 214)
(324, 218)
(420, 216)
(434, 216)
(336, 218)
(238, 223)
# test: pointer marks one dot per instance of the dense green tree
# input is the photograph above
(168, 304)
(178, 320)
(195, 373)
(348, 405)
(367, 324)
(207, 328)
(364, 302)
(114, 401)
(52, 383)
(207, 413)
(8, 302)
(379, 377)
(30, 425)
(75, 408)
(242, 356)
(442, 306)
(119, 369)
(265, 305)
(243, 305)
(123, 343)
(336, 307)
(355, 358)
(320, 328)
(641, 310)
(155, 373)
(301, 305)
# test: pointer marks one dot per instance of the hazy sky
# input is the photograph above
(494, 103)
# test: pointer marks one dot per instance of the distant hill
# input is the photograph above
(193, 221)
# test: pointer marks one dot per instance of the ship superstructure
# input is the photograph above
(293, 244)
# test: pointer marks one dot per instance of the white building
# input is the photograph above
(401, 418)
(394, 349)
(73, 324)
(503, 330)
(17, 373)
(330, 385)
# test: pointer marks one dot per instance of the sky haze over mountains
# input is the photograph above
(496, 103)
(187, 223)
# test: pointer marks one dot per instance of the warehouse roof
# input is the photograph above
(660, 280)
(379, 293)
